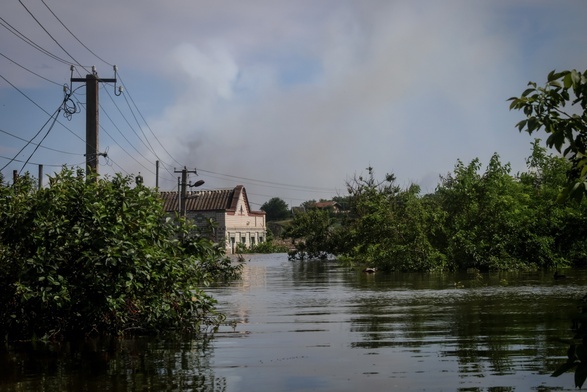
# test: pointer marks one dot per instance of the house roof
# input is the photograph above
(325, 204)
(213, 200)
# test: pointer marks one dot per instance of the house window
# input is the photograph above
(260, 238)
(252, 241)
(244, 240)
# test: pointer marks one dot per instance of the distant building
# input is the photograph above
(229, 209)
(331, 206)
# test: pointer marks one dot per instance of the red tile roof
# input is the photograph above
(325, 204)
(213, 200)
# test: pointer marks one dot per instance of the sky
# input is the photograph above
(291, 99)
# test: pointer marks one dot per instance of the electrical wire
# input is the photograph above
(124, 137)
(74, 36)
(301, 188)
(42, 140)
(69, 112)
(108, 159)
(144, 140)
(26, 69)
(145, 121)
(23, 37)
(73, 109)
(126, 120)
(127, 153)
(53, 38)
(39, 106)
(46, 148)
(148, 147)
(35, 163)
(30, 141)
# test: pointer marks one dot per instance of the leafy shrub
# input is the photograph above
(98, 256)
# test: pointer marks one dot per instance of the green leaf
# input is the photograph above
(563, 369)
(580, 375)
(521, 125)
(581, 353)
(568, 80)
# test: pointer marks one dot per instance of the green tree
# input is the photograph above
(311, 234)
(546, 108)
(82, 257)
(386, 226)
(486, 215)
(276, 209)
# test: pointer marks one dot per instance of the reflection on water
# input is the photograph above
(109, 365)
(315, 326)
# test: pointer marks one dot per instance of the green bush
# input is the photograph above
(97, 256)
(268, 247)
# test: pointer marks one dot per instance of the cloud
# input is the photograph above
(391, 86)
(311, 92)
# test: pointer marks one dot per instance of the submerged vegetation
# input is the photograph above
(487, 220)
(491, 220)
(98, 256)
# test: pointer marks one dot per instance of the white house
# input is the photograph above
(230, 210)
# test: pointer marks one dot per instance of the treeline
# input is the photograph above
(483, 218)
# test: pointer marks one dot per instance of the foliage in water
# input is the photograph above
(99, 256)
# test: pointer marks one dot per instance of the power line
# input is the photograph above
(146, 141)
(35, 163)
(106, 62)
(108, 159)
(146, 123)
(275, 184)
(49, 34)
(74, 36)
(136, 113)
(26, 69)
(30, 141)
(148, 147)
(46, 148)
(44, 137)
(37, 105)
(23, 37)
(124, 137)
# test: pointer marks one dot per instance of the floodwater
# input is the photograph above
(317, 326)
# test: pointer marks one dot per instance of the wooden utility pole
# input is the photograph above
(183, 188)
(40, 177)
(92, 117)
(157, 176)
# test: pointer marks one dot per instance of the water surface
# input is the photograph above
(317, 326)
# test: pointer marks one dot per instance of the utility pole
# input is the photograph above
(92, 115)
(182, 185)
(40, 177)
(157, 176)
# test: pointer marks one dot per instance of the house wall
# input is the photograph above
(202, 218)
(233, 228)
(243, 227)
